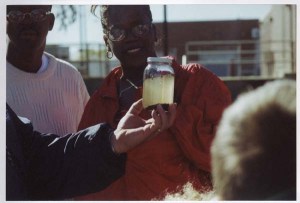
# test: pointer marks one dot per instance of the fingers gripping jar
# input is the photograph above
(158, 85)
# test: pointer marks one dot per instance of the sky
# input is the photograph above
(175, 13)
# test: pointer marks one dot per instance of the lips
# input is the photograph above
(134, 50)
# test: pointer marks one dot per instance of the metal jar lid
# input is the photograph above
(159, 60)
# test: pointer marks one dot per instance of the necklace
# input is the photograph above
(131, 85)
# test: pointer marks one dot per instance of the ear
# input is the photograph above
(51, 21)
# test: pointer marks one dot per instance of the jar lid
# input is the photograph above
(159, 60)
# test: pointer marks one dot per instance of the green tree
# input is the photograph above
(67, 15)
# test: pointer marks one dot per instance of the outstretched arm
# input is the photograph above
(56, 167)
(53, 167)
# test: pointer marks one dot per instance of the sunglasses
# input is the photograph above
(117, 34)
(36, 15)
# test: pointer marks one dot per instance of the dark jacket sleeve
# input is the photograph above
(62, 167)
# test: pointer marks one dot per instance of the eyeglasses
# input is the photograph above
(36, 15)
(118, 34)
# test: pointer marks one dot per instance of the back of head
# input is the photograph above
(254, 152)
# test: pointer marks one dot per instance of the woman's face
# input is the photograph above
(133, 50)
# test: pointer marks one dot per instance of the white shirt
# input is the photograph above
(53, 99)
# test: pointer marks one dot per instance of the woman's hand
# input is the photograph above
(133, 130)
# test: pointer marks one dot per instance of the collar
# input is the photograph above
(110, 84)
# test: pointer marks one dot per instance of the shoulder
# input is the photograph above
(190, 68)
(205, 81)
(194, 71)
(212, 81)
(195, 74)
(61, 64)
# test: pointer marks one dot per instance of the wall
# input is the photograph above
(179, 33)
(278, 39)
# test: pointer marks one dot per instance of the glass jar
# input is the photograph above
(158, 85)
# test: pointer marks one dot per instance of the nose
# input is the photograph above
(130, 36)
(27, 19)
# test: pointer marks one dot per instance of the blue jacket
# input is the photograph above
(48, 167)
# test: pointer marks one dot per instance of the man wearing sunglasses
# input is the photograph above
(48, 91)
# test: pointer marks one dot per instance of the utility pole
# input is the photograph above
(165, 27)
(84, 55)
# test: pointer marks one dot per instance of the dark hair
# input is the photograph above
(104, 12)
(12, 7)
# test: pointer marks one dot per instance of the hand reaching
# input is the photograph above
(133, 130)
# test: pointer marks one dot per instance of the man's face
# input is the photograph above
(28, 31)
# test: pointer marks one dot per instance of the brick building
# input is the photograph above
(225, 47)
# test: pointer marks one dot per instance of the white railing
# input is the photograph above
(242, 57)
(225, 58)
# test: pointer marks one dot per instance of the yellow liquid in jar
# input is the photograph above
(158, 90)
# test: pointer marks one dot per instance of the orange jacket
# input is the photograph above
(175, 156)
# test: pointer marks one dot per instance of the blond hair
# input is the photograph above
(254, 152)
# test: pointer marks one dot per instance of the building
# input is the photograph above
(228, 48)
(278, 41)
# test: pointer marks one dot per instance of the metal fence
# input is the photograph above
(224, 58)
(242, 57)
